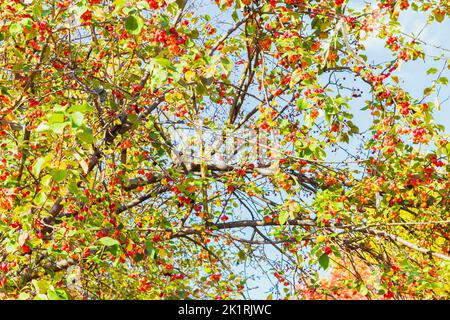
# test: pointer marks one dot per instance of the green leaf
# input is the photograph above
(226, 64)
(41, 286)
(27, 23)
(57, 294)
(118, 4)
(324, 261)
(284, 215)
(39, 164)
(56, 118)
(302, 104)
(58, 128)
(86, 135)
(134, 24)
(77, 119)
(40, 198)
(284, 124)
(194, 34)
(336, 251)
(58, 174)
(364, 290)
(15, 29)
(151, 252)
(72, 186)
(242, 255)
(23, 296)
(163, 62)
(159, 75)
(37, 10)
(109, 242)
(45, 181)
(11, 247)
(83, 108)
(181, 3)
(432, 71)
(442, 80)
(427, 91)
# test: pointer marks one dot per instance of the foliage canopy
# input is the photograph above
(99, 201)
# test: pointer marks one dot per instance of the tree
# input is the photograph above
(340, 284)
(157, 149)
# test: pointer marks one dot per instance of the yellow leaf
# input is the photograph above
(162, 253)
(82, 163)
(320, 239)
(189, 76)
(129, 247)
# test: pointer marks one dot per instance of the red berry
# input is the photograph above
(327, 250)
